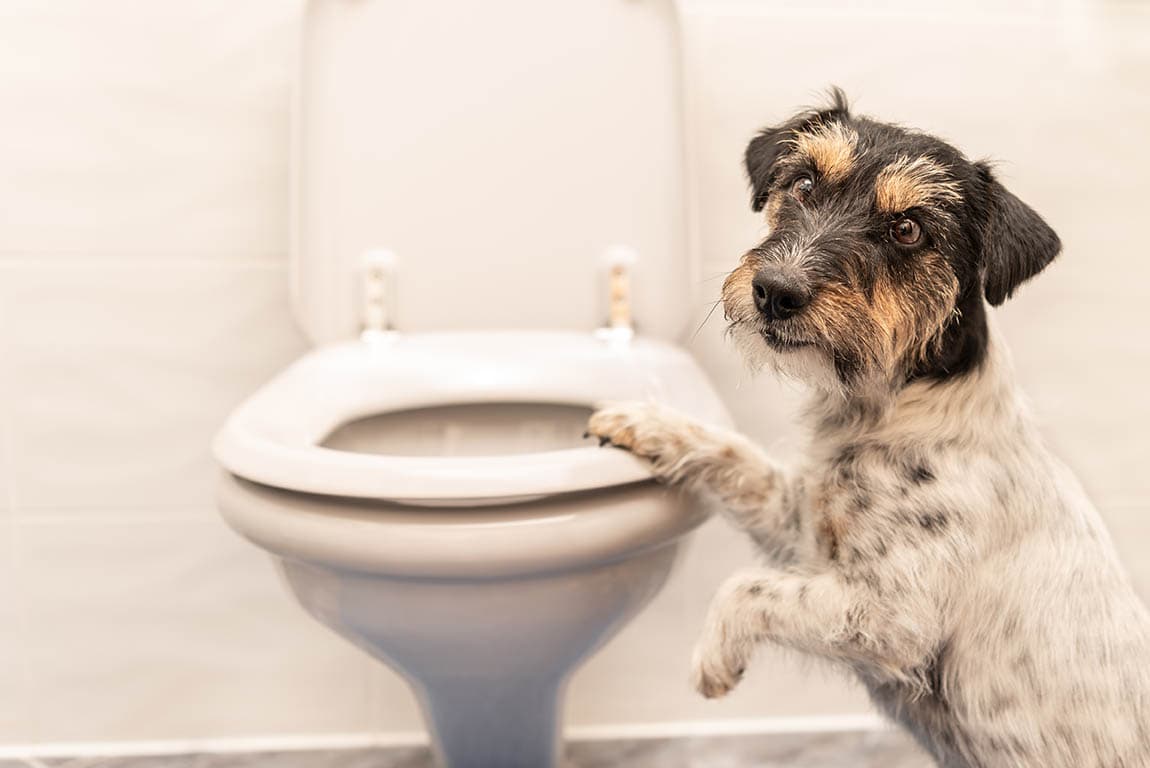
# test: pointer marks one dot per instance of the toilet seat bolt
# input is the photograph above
(377, 266)
(618, 260)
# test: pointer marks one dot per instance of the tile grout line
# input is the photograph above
(156, 262)
(140, 253)
(116, 515)
(766, 726)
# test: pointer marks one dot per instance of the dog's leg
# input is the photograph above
(754, 492)
(820, 615)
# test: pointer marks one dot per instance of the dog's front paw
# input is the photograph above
(712, 673)
(726, 643)
(649, 430)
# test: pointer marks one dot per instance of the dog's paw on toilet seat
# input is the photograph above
(649, 430)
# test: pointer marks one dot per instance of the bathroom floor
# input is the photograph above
(844, 750)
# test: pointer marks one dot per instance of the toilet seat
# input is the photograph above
(515, 540)
(274, 437)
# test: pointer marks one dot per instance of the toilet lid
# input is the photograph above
(274, 438)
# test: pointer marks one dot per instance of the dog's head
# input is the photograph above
(883, 242)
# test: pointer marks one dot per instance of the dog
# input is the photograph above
(927, 541)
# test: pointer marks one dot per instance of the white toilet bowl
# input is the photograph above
(488, 566)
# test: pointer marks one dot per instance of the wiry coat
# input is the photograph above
(929, 542)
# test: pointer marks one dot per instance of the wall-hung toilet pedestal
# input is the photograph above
(487, 566)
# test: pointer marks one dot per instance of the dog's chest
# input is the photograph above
(863, 498)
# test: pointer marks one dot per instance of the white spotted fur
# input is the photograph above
(984, 607)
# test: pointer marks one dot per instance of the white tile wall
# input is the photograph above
(150, 128)
(170, 628)
(143, 293)
(110, 360)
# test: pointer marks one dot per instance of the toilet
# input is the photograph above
(473, 540)
(426, 491)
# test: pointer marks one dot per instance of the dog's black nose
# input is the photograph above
(779, 295)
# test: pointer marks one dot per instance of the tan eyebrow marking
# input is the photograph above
(831, 146)
(907, 183)
(774, 205)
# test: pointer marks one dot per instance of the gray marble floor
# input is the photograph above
(846, 750)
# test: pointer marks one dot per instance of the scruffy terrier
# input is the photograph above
(928, 542)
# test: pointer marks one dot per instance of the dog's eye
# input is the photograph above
(802, 186)
(906, 232)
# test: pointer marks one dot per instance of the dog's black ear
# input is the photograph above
(772, 143)
(1016, 243)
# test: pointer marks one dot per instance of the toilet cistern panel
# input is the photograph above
(499, 149)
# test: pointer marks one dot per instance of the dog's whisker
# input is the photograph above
(710, 312)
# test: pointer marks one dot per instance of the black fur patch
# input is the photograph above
(920, 474)
(1017, 243)
(934, 522)
(935, 672)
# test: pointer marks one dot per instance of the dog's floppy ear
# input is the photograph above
(772, 143)
(1016, 243)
